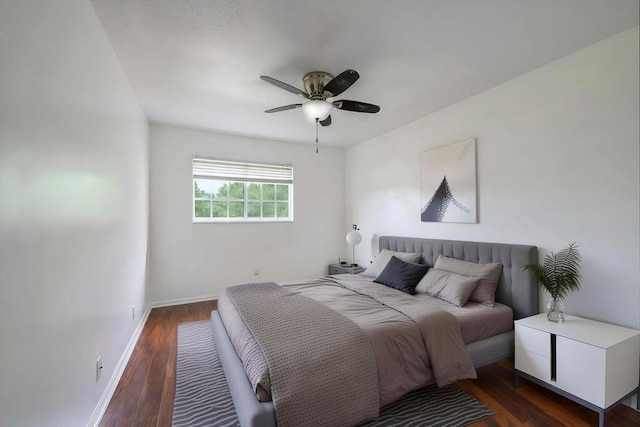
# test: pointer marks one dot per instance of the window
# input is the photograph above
(234, 191)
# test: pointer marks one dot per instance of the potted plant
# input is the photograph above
(558, 275)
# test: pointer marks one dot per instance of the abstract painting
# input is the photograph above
(448, 187)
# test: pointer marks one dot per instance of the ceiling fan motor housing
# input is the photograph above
(314, 83)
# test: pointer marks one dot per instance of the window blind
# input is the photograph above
(231, 170)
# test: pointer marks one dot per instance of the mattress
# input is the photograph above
(391, 332)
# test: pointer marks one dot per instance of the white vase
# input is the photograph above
(555, 310)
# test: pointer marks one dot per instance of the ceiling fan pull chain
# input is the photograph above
(316, 135)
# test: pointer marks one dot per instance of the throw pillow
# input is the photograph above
(383, 258)
(447, 286)
(401, 275)
(489, 274)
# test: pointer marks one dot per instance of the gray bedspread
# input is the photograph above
(414, 341)
(317, 358)
(438, 329)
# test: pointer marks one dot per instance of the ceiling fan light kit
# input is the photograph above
(317, 109)
(319, 86)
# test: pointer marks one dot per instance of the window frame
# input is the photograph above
(247, 173)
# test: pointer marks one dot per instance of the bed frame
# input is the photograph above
(515, 289)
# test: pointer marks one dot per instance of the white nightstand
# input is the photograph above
(589, 362)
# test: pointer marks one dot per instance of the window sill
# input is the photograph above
(240, 221)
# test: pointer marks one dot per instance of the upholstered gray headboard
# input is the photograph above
(515, 289)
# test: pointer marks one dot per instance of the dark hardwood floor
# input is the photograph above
(532, 405)
(144, 396)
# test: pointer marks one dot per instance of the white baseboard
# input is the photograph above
(99, 411)
(180, 301)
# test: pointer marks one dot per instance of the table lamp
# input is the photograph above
(353, 238)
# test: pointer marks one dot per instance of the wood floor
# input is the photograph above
(144, 396)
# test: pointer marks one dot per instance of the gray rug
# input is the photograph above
(203, 397)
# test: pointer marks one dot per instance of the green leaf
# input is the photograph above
(559, 273)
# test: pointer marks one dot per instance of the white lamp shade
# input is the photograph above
(317, 109)
(353, 238)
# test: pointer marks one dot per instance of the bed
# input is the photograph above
(515, 294)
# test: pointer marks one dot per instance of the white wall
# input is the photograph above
(557, 162)
(193, 261)
(73, 211)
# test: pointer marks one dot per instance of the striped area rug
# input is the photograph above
(203, 397)
(432, 407)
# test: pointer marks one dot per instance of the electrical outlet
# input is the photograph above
(133, 311)
(98, 368)
(256, 272)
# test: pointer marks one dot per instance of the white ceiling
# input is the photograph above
(197, 63)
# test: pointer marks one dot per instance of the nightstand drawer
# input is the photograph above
(335, 270)
(533, 364)
(533, 340)
(582, 376)
(345, 269)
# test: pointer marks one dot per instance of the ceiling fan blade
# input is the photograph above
(340, 83)
(327, 121)
(283, 108)
(357, 106)
(284, 86)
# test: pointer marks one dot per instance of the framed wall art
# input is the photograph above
(448, 183)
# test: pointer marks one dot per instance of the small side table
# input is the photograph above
(592, 363)
(345, 269)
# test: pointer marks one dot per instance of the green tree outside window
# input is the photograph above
(235, 199)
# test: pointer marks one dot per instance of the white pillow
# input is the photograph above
(380, 262)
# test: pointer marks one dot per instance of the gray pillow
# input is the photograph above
(400, 275)
(447, 286)
(383, 258)
(489, 274)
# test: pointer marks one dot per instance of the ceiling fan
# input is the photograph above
(319, 86)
